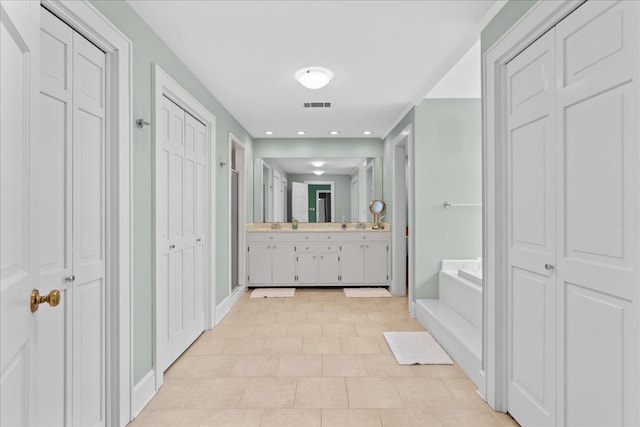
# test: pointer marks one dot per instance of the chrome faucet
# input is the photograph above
(275, 226)
(361, 225)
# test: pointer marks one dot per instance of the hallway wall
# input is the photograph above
(148, 49)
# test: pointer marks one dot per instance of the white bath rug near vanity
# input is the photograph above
(366, 292)
(273, 293)
(411, 348)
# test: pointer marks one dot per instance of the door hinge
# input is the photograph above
(387, 248)
(296, 259)
(338, 259)
(387, 277)
(248, 248)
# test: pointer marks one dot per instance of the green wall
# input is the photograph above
(147, 50)
(502, 22)
(448, 154)
(312, 188)
(341, 189)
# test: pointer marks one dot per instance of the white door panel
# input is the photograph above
(597, 211)
(19, 56)
(531, 193)
(300, 201)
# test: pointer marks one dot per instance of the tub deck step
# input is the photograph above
(460, 339)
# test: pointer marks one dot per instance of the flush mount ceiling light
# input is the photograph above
(314, 77)
(318, 172)
(301, 132)
(367, 132)
(268, 132)
(317, 163)
(334, 132)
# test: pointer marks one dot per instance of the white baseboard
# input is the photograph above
(143, 392)
(224, 307)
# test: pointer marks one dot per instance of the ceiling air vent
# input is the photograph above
(316, 105)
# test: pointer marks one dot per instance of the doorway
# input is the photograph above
(237, 212)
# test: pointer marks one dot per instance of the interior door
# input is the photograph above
(19, 56)
(181, 212)
(597, 267)
(300, 201)
(531, 194)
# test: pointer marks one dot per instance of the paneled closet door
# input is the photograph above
(181, 194)
(598, 214)
(531, 192)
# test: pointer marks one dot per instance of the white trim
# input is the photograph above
(333, 195)
(164, 85)
(398, 217)
(225, 306)
(88, 21)
(143, 392)
(242, 210)
(539, 19)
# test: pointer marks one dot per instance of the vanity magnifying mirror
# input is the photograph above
(377, 209)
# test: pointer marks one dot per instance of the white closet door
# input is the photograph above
(19, 73)
(181, 212)
(597, 269)
(531, 193)
(55, 149)
(300, 201)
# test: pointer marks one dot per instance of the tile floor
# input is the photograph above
(318, 359)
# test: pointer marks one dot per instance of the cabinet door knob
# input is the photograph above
(549, 267)
(172, 246)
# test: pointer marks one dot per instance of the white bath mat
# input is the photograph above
(411, 348)
(366, 292)
(273, 293)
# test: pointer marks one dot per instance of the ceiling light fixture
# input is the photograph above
(301, 132)
(314, 77)
(268, 132)
(334, 132)
(318, 163)
(367, 132)
(318, 172)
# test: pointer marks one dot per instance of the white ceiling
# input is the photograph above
(386, 56)
(332, 166)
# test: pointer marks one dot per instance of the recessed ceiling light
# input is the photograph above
(314, 77)
(318, 163)
(301, 132)
(268, 132)
(334, 132)
(318, 172)
(367, 132)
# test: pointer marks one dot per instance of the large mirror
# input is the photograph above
(316, 189)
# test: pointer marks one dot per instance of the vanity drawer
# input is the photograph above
(366, 236)
(262, 236)
(306, 247)
(328, 247)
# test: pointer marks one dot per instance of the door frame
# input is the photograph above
(90, 23)
(164, 85)
(333, 195)
(241, 168)
(402, 145)
(539, 19)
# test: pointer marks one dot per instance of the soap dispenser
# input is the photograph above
(344, 223)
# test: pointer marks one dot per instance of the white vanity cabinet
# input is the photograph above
(271, 260)
(365, 258)
(285, 258)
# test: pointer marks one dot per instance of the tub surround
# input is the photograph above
(455, 319)
(317, 254)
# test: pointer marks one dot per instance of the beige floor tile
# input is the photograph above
(389, 317)
(269, 393)
(210, 366)
(343, 365)
(324, 298)
(236, 330)
(173, 395)
(469, 417)
(351, 317)
(266, 330)
(233, 418)
(423, 392)
(292, 418)
(293, 317)
(282, 345)
(359, 345)
(180, 368)
(305, 330)
(175, 417)
(338, 330)
(369, 329)
(321, 345)
(300, 365)
(249, 345)
(308, 307)
(337, 307)
(263, 317)
(409, 417)
(350, 418)
(506, 419)
(322, 317)
(321, 393)
(373, 393)
(438, 371)
(255, 365)
(386, 366)
(217, 393)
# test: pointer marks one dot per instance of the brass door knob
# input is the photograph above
(53, 299)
